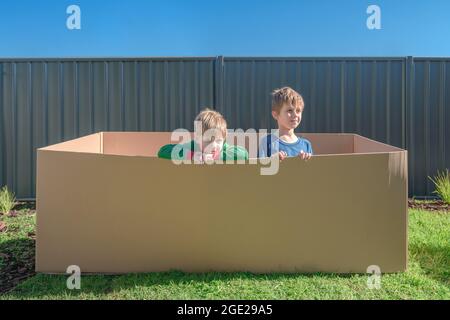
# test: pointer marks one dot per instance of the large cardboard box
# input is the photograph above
(107, 204)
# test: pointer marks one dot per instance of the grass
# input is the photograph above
(427, 276)
(7, 200)
(442, 184)
(16, 247)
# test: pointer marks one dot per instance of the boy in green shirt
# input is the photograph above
(208, 146)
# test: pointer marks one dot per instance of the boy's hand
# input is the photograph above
(201, 158)
(208, 158)
(282, 155)
(197, 157)
(304, 155)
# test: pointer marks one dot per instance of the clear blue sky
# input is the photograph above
(30, 28)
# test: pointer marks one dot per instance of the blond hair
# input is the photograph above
(211, 119)
(288, 96)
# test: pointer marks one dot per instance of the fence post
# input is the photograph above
(2, 134)
(408, 120)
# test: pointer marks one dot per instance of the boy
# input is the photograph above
(210, 145)
(287, 108)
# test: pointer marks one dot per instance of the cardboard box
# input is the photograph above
(107, 204)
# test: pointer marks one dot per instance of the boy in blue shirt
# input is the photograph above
(287, 108)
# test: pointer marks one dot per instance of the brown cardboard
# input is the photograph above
(106, 203)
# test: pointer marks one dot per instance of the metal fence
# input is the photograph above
(428, 121)
(401, 101)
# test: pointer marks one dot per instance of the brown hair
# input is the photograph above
(212, 120)
(288, 96)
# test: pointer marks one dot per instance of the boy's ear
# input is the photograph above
(275, 115)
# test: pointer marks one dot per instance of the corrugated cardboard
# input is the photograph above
(106, 203)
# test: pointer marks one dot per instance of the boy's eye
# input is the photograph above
(208, 141)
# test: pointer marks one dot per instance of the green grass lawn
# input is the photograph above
(428, 275)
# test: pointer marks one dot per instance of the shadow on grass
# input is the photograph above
(16, 262)
(43, 285)
(432, 260)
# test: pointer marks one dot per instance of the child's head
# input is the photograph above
(213, 131)
(287, 108)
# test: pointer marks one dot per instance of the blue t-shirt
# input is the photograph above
(271, 144)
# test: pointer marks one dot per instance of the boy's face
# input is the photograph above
(211, 142)
(289, 117)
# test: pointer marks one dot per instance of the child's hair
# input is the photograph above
(286, 95)
(212, 120)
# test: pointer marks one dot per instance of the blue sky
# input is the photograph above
(30, 28)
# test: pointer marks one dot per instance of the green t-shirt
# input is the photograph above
(228, 152)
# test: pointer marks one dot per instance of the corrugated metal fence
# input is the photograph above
(401, 101)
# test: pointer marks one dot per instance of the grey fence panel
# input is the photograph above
(400, 101)
(364, 96)
(2, 134)
(46, 101)
(428, 122)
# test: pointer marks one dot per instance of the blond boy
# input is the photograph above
(209, 144)
(287, 109)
